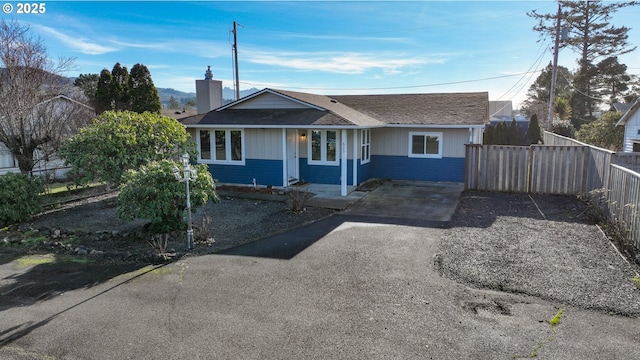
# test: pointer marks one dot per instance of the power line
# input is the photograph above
(535, 64)
(397, 87)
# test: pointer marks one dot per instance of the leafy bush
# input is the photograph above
(603, 132)
(564, 128)
(153, 193)
(19, 198)
(118, 141)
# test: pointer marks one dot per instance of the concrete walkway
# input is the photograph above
(418, 200)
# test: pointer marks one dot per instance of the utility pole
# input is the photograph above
(554, 71)
(235, 59)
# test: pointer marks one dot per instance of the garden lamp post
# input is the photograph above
(188, 174)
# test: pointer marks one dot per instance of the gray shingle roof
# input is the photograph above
(359, 110)
(268, 117)
(423, 109)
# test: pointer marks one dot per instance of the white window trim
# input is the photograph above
(323, 148)
(365, 142)
(227, 139)
(425, 134)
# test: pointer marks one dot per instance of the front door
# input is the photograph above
(293, 166)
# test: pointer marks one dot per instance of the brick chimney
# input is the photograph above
(208, 93)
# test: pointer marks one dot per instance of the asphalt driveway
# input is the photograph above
(357, 289)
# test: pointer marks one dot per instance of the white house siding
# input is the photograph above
(265, 144)
(395, 141)
(6, 159)
(270, 101)
(631, 130)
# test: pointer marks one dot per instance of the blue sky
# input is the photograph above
(324, 47)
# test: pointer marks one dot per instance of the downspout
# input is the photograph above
(285, 179)
(343, 163)
(355, 157)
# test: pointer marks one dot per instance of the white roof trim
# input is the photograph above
(238, 126)
(214, 126)
(444, 126)
(267, 90)
(623, 120)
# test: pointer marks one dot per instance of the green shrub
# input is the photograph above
(19, 197)
(564, 128)
(118, 141)
(154, 194)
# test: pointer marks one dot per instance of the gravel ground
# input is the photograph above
(540, 245)
(93, 224)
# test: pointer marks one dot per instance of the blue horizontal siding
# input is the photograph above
(319, 174)
(266, 172)
(269, 172)
(407, 168)
(364, 172)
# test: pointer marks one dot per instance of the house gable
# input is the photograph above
(269, 100)
(631, 122)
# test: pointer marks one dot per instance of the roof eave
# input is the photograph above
(623, 120)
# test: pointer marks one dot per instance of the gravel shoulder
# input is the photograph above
(542, 246)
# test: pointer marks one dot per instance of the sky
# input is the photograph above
(322, 47)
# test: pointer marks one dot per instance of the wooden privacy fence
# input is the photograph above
(622, 201)
(567, 167)
(535, 169)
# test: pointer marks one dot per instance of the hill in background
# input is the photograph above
(228, 95)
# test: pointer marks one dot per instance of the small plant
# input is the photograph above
(33, 241)
(202, 230)
(159, 244)
(297, 200)
(556, 319)
(636, 281)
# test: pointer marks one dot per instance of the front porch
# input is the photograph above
(329, 196)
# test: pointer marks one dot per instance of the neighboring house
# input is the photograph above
(502, 111)
(631, 122)
(278, 138)
(51, 167)
(621, 107)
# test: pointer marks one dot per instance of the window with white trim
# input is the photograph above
(221, 146)
(365, 146)
(425, 144)
(323, 147)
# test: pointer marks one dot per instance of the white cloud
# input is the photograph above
(347, 63)
(124, 44)
(77, 43)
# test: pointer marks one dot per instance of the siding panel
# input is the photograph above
(269, 101)
(425, 169)
(266, 172)
(263, 144)
(395, 141)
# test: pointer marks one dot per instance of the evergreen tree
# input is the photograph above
(488, 135)
(89, 85)
(514, 135)
(537, 101)
(500, 134)
(613, 78)
(173, 103)
(593, 37)
(120, 87)
(143, 95)
(534, 134)
(104, 100)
